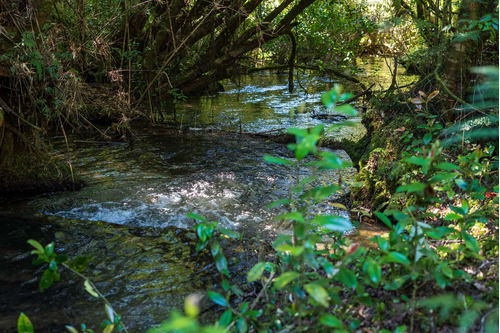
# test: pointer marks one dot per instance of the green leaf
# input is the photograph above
(443, 177)
(293, 250)
(417, 160)
(110, 313)
(108, 329)
(242, 325)
(471, 243)
(318, 293)
(229, 233)
(347, 277)
(61, 258)
(176, 324)
(300, 132)
(47, 279)
(221, 264)
(402, 329)
(226, 318)
(256, 272)
(277, 160)
(24, 324)
(307, 145)
(330, 321)
(217, 298)
(329, 98)
(191, 306)
(90, 289)
(414, 187)
(333, 222)
(36, 245)
(384, 219)
(80, 263)
(347, 109)
(196, 217)
(427, 138)
(285, 279)
(447, 166)
(374, 272)
(294, 216)
(465, 206)
(461, 183)
(452, 217)
(397, 257)
(71, 329)
(201, 232)
(49, 249)
(278, 203)
(215, 248)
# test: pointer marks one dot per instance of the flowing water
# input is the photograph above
(131, 216)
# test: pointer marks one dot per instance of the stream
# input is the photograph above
(131, 216)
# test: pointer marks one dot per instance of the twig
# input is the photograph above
(355, 97)
(483, 318)
(97, 291)
(174, 52)
(262, 290)
(68, 156)
(400, 87)
(7, 108)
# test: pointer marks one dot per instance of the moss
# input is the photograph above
(35, 172)
(378, 153)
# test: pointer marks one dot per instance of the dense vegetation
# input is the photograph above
(428, 165)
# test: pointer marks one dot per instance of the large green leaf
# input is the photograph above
(221, 264)
(333, 222)
(256, 272)
(447, 166)
(196, 217)
(318, 293)
(330, 320)
(374, 272)
(36, 245)
(226, 318)
(293, 250)
(347, 277)
(48, 277)
(413, 187)
(24, 324)
(347, 109)
(384, 219)
(229, 233)
(294, 216)
(285, 279)
(217, 298)
(471, 243)
(397, 257)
